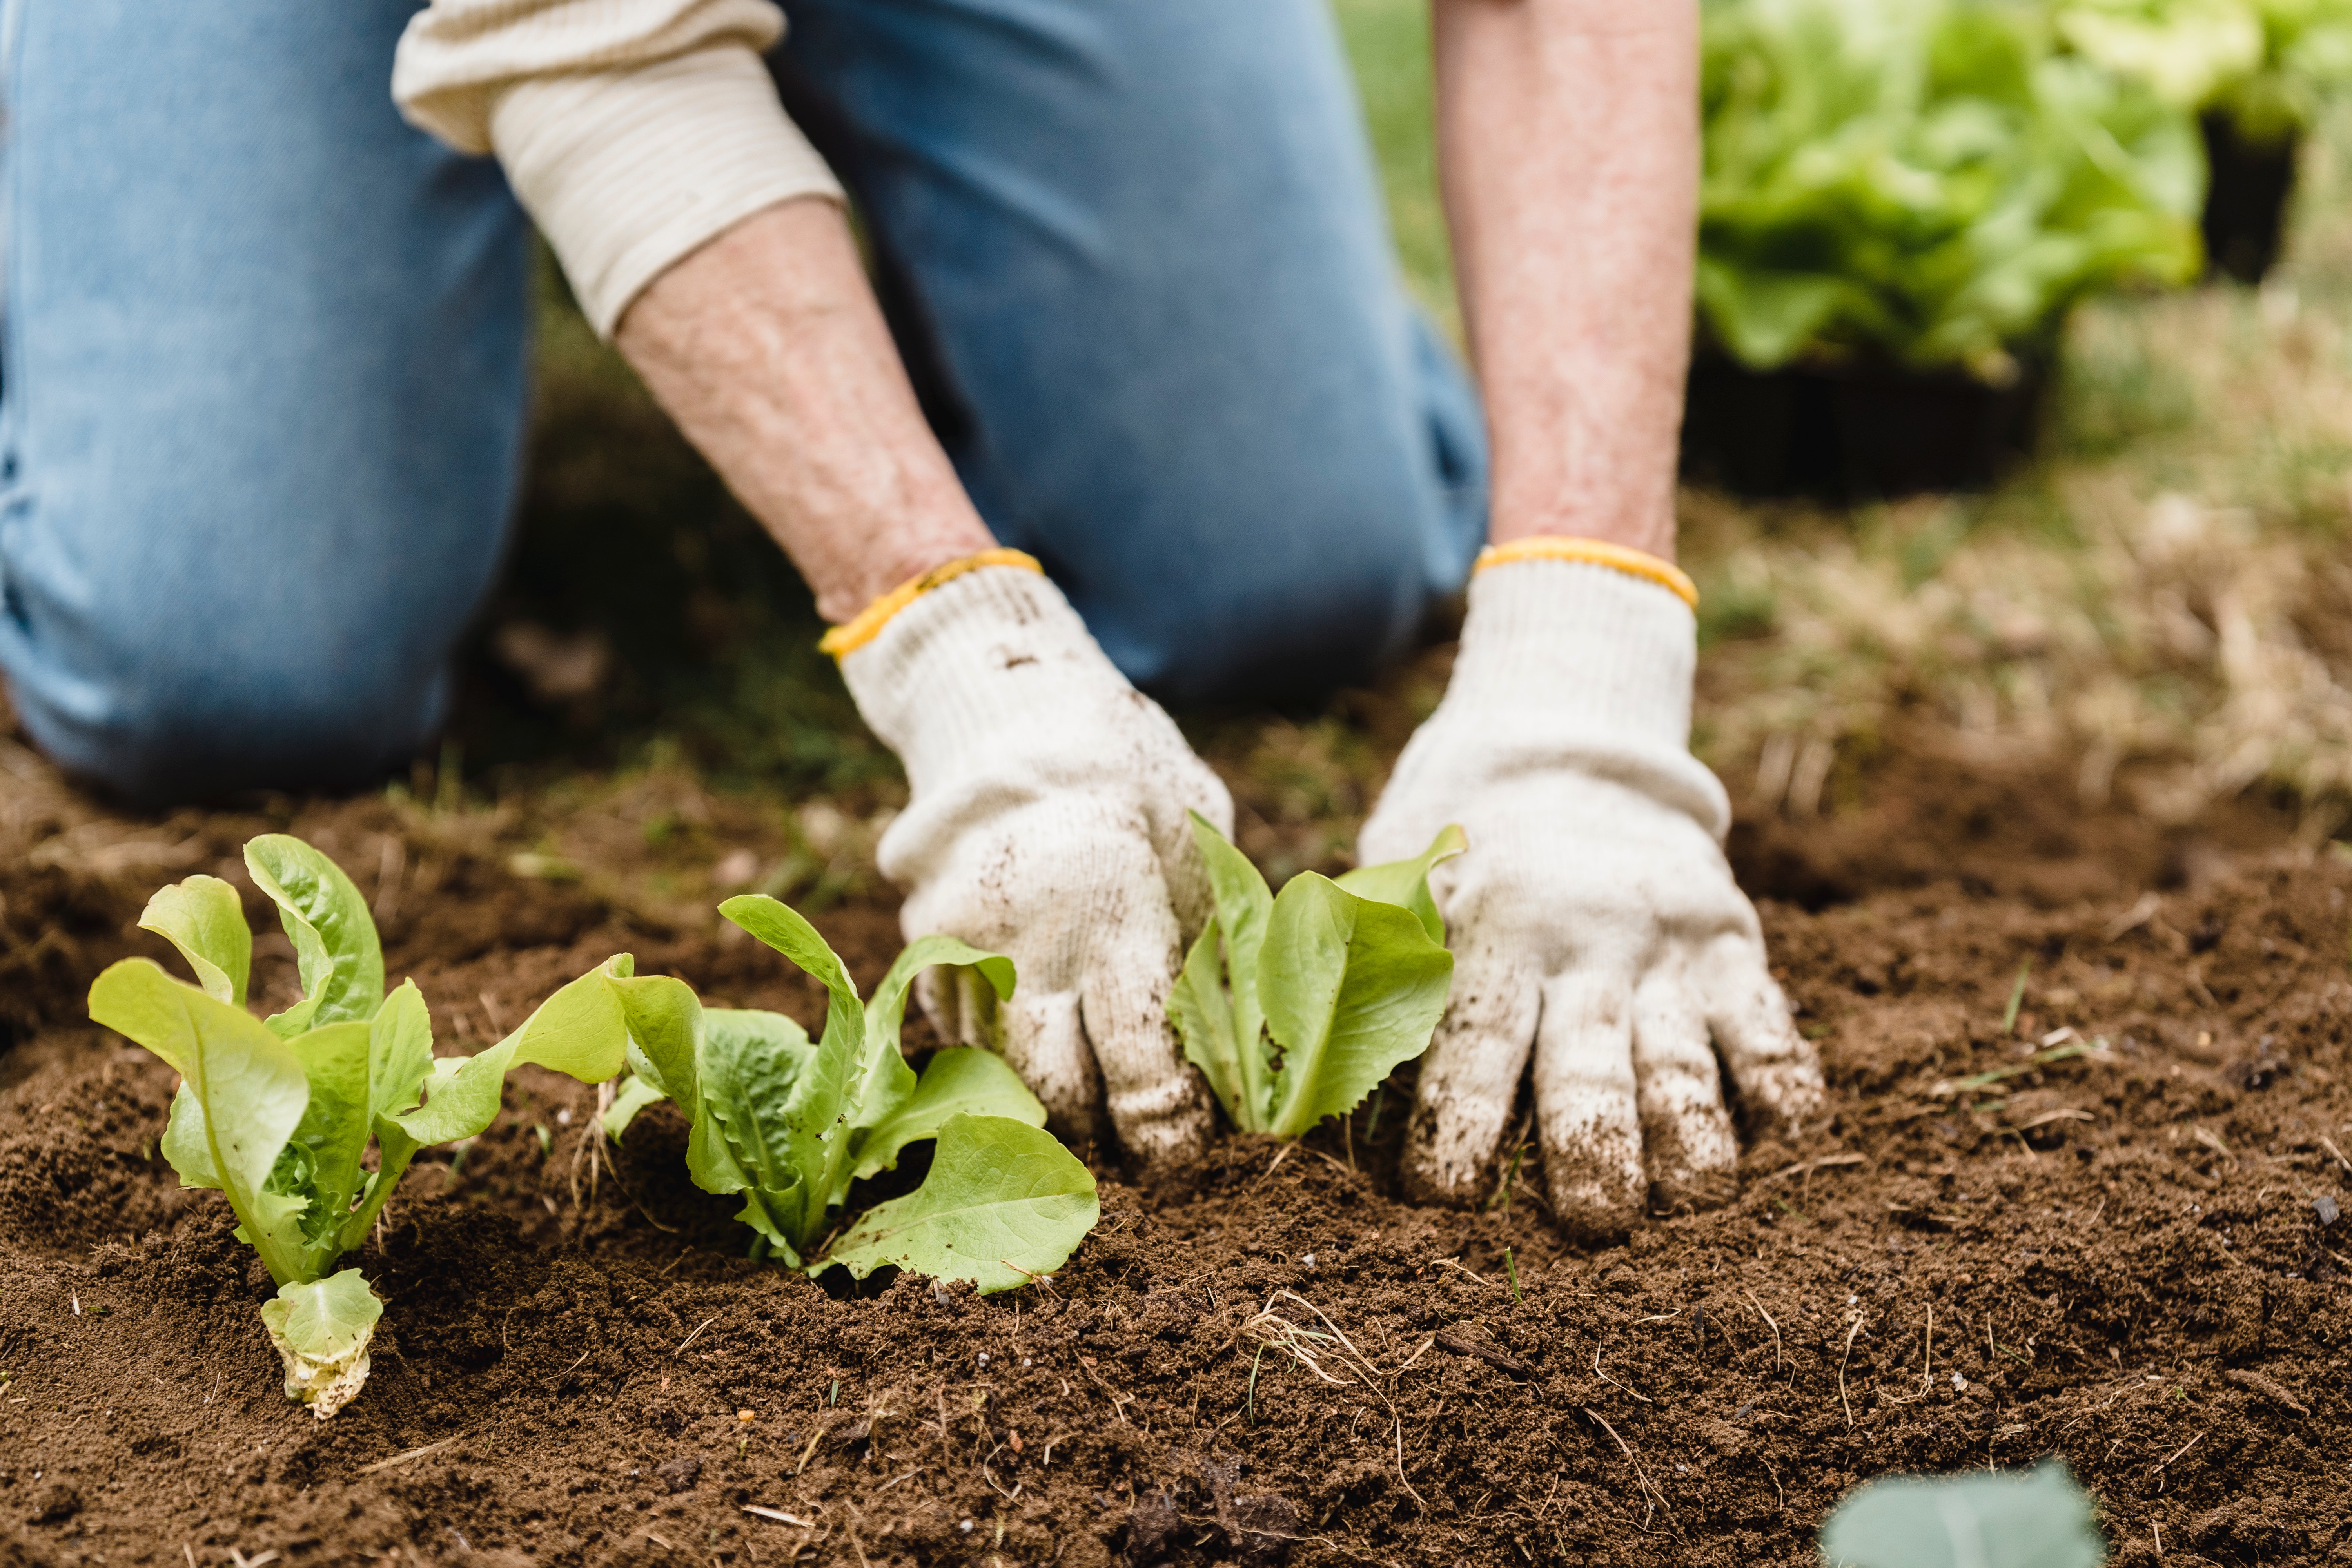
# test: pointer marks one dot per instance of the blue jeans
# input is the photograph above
(266, 351)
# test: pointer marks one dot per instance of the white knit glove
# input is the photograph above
(1047, 823)
(1593, 918)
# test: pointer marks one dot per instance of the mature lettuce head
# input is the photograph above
(1925, 181)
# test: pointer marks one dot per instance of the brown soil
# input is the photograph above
(2124, 1258)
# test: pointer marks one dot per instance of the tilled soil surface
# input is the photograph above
(2130, 1256)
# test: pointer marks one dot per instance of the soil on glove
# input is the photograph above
(2128, 1250)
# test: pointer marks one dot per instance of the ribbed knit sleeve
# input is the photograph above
(634, 131)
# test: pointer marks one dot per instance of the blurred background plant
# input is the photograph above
(1927, 181)
(2270, 65)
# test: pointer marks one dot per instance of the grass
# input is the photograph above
(2157, 604)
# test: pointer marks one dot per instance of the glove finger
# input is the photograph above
(1154, 1097)
(1046, 1044)
(1775, 1068)
(1470, 1075)
(1587, 1105)
(1686, 1137)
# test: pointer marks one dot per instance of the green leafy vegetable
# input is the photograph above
(1004, 1205)
(1931, 182)
(1294, 1008)
(278, 1115)
(790, 1124)
(2269, 65)
(2036, 1521)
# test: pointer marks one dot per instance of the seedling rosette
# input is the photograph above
(1295, 1007)
(276, 1114)
(790, 1124)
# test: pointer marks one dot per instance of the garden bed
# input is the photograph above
(2122, 1251)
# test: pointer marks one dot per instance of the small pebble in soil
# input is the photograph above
(2325, 1207)
(965, 1527)
(1308, 1261)
(1960, 1384)
(983, 1358)
(1024, 1361)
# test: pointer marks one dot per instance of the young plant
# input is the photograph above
(277, 1113)
(789, 1124)
(1295, 1007)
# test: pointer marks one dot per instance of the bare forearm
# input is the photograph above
(768, 349)
(1568, 146)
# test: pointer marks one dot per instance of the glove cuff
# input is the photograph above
(1588, 646)
(866, 625)
(1623, 558)
(971, 658)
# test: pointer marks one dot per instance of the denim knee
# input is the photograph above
(266, 349)
(1317, 608)
(159, 727)
(1286, 568)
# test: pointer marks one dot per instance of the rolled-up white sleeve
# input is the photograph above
(634, 131)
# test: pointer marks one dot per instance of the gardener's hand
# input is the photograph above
(1594, 918)
(1048, 824)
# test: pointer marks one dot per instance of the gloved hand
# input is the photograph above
(1048, 824)
(1594, 917)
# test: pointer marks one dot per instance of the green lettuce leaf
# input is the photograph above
(808, 1112)
(816, 1124)
(888, 1079)
(632, 1094)
(334, 1133)
(1339, 994)
(204, 918)
(335, 947)
(750, 1060)
(958, 1081)
(1244, 904)
(400, 1057)
(580, 1030)
(1202, 1009)
(244, 1088)
(1352, 988)
(1004, 1204)
(1405, 883)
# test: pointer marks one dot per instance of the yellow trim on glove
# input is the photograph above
(1594, 552)
(866, 625)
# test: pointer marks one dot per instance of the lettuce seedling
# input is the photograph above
(277, 1114)
(790, 1124)
(1295, 1007)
